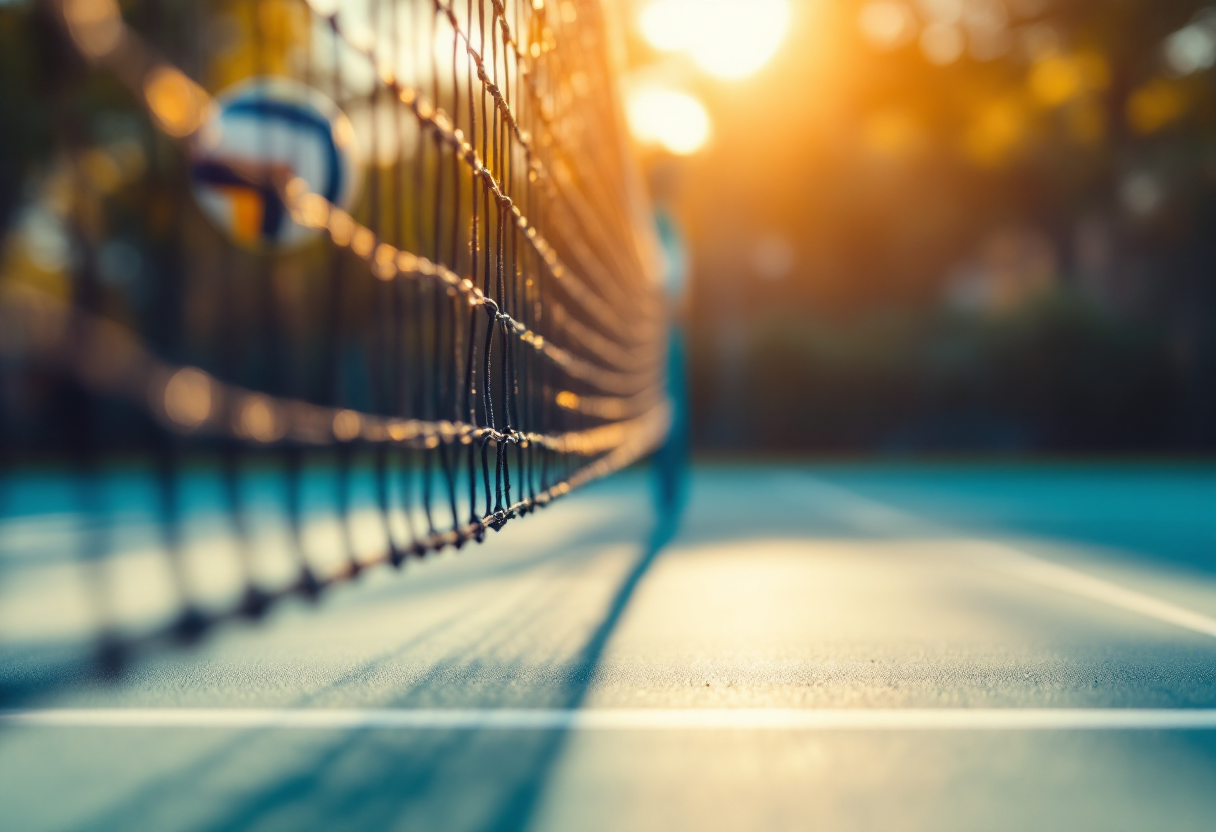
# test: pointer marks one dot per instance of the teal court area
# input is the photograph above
(864, 647)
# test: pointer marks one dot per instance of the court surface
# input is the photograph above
(860, 647)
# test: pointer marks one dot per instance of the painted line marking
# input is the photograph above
(1009, 559)
(1013, 561)
(651, 719)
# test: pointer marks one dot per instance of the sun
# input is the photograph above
(728, 39)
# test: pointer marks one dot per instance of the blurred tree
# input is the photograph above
(1045, 169)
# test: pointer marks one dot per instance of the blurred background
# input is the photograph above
(912, 227)
(939, 226)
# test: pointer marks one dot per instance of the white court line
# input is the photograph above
(1011, 560)
(1014, 561)
(606, 719)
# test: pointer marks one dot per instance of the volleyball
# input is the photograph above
(261, 134)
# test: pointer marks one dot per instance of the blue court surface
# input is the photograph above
(821, 647)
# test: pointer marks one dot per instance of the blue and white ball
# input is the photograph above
(262, 133)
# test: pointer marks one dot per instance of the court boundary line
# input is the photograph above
(622, 719)
(1008, 558)
(1011, 560)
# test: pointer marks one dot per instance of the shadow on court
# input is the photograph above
(455, 780)
(499, 780)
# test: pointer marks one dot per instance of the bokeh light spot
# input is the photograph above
(1140, 193)
(257, 419)
(886, 24)
(941, 11)
(95, 25)
(188, 397)
(178, 103)
(347, 425)
(675, 120)
(1054, 80)
(1155, 105)
(941, 43)
(996, 132)
(1191, 49)
(773, 256)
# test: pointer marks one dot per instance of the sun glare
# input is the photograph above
(675, 120)
(728, 39)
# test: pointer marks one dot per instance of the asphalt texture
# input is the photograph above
(834, 588)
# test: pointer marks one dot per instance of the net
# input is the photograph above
(294, 289)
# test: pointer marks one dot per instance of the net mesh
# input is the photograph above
(294, 289)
